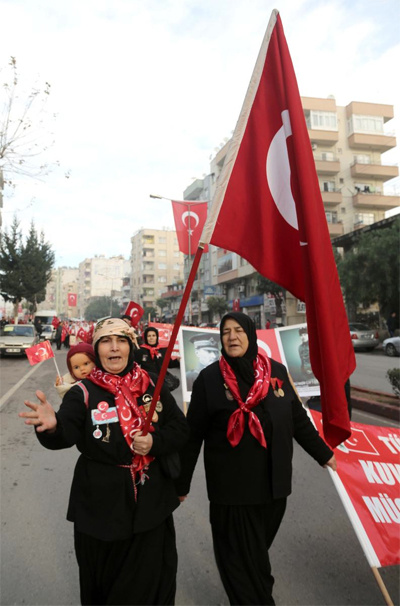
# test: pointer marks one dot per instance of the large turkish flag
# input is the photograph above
(268, 208)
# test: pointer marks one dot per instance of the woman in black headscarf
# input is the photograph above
(122, 495)
(247, 413)
(150, 356)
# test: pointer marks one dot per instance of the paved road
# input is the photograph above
(371, 370)
(316, 557)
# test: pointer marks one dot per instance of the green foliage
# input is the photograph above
(393, 374)
(369, 272)
(217, 306)
(25, 268)
(161, 303)
(99, 307)
(152, 311)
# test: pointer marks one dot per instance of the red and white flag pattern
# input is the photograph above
(190, 218)
(39, 353)
(72, 299)
(135, 311)
(268, 208)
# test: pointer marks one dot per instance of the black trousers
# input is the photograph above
(242, 535)
(138, 570)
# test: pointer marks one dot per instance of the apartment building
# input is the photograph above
(348, 145)
(63, 280)
(155, 262)
(100, 276)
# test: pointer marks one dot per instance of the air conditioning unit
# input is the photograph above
(314, 146)
(241, 288)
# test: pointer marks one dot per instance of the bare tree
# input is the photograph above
(24, 129)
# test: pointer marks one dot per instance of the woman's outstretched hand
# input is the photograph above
(41, 415)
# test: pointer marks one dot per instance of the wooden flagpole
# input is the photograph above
(174, 335)
(382, 586)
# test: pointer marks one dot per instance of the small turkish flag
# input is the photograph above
(39, 353)
(71, 299)
(135, 311)
(190, 218)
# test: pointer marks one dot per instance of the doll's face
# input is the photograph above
(81, 365)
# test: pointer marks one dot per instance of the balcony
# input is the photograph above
(380, 172)
(327, 167)
(374, 200)
(331, 198)
(380, 143)
(335, 229)
(323, 137)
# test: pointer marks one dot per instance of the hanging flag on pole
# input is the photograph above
(71, 299)
(268, 208)
(190, 217)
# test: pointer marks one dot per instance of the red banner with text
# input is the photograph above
(369, 469)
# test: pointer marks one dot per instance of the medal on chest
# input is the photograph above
(103, 415)
(277, 387)
(228, 394)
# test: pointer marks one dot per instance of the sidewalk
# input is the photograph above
(375, 402)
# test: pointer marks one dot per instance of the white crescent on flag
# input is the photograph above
(188, 215)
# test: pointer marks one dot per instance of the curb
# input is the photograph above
(389, 411)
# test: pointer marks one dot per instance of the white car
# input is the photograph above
(391, 346)
(15, 338)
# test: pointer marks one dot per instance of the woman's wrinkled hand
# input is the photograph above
(41, 415)
(142, 444)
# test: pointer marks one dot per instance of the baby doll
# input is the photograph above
(80, 362)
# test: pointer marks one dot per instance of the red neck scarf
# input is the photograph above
(258, 391)
(154, 351)
(126, 390)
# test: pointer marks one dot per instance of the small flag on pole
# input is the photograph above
(39, 353)
(135, 311)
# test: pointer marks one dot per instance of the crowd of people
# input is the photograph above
(129, 480)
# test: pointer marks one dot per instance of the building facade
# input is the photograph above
(64, 280)
(99, 277)
(156, 262)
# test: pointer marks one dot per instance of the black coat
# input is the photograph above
(248, 473)
(145, 361)
(102, 502)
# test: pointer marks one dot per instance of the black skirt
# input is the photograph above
(138, 570)
(242, 535)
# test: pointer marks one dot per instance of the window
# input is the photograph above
(162, 240)
(362, 159)
(162, 279)
(364, 218)
(176, 253)
(162, 266)
(328, 186)
(322, 120)
(176, 266)
(162, 253)
(328, 156)
(331, 216)
(365, 124)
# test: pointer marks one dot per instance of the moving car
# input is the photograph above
(15, 338)
(363, 337)
(391, 346)
(48, 333)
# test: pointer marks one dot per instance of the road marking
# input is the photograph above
(11, 391)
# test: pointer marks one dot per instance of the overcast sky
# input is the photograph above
(145, 91)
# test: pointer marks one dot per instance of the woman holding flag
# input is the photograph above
(246, 411)
(122, 496)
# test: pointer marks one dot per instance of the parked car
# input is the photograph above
(48, 333)
(363, 337)
(15, 338)
(391, 346)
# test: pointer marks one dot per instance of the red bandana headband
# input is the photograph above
(258, 391)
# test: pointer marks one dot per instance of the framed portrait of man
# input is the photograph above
(198, 347)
